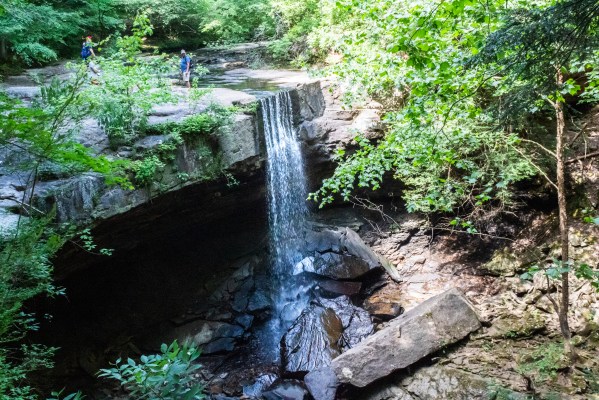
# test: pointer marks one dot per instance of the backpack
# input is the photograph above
(191, 63)
(85, 51)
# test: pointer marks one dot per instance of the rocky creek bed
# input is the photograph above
(397, 311)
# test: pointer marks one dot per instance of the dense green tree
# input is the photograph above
(39, 31)
(411, 57)
(535, 51)
(460, 81)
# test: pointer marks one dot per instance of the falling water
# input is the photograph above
(287, 211)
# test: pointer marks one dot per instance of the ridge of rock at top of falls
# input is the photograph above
(430, 326)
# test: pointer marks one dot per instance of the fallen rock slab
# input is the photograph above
(430, 326)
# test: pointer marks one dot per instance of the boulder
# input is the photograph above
(338, 255)
(312, 341)
(256, 389)
(212, 336)
(74, 198)
(286, 390)
(383, 310)
(432, 325)
(322, 383)
(355, 321)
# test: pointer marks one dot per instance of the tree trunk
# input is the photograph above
(564, 305)
(3, 50)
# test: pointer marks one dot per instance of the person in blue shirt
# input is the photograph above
(185, 68)
(87, 51)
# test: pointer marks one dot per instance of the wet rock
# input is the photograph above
(340, 287)
(244, 320)
(383, 310)
(213, 337)
(23, 92)
(221, 396)
(435, 323)
(233, 65)
(322, 383)
(219, 346)
(256, 389)
(242, 296)
(355, 321)
(312, 340)
(258, 302)
(338, 255)
(286, 390)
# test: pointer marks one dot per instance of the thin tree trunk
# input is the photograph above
(564, 305)
(3, 50)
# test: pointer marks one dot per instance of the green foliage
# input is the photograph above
(88, 244)
(71, 396)
(43, 134)
(25, 272)
(498, 392)
(199, 132)
(38, 32)
(233, 21)
(195, 23)
(543, 363)
(214, 120)
(440, 142)
(294, 21)
(37, 136)
(145, 170)
(165, 376)
(556, 268)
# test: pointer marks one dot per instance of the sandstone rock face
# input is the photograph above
(338, 255)
(240, 145)
(435, 323)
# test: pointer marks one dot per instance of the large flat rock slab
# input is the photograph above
(432, 325)
(435, 323)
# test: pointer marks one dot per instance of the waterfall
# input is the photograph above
(287, 212)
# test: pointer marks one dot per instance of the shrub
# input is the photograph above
(165, 376)
(145, 170)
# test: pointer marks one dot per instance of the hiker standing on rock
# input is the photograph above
(185, 68)
(87, 51)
